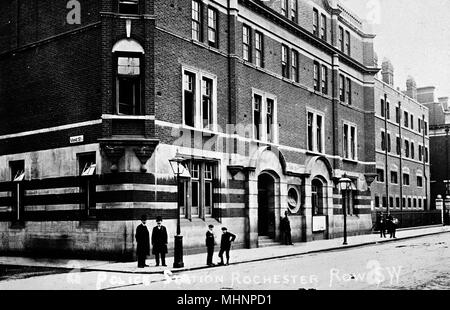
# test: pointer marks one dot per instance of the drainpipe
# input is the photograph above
(387, 152)
(425, 176)
(401, 159)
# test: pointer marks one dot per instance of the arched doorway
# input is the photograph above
(266, 205)
(319, 208)
(317, 197)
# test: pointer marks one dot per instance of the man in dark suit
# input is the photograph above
(159, 242)
(391, 225)
(225, 245)
(382, 226)
(286, 229)
(210, 242)
(143, 242)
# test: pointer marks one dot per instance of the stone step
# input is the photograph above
(264, 242)
(268, 245)
(264, 238)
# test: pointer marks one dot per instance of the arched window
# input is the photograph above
(128, 56)
(317, 197)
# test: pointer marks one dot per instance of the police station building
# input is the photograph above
(268, 103)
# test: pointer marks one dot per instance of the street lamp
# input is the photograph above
(344, 186)
(447, 187)
(446, 199)
(178, 168)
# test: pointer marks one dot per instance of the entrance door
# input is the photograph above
(317, 197)
(266, 205)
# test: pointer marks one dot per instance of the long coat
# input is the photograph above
(285, 224)
(159, 240)
(143, 240)
(210, 239)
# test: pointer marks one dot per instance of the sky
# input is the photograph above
(414, 35)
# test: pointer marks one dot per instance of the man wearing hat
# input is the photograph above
(225, 245)
(143, 242)
(159, 242)
(210, 242)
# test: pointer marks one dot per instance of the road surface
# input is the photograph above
(420, 263)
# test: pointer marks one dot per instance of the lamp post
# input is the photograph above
(344, 185)
(177, 166)
(447, 180)
(444, 205)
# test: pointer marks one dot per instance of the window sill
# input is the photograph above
(128, 117)
(212, 132)
(17, 226)
(321, 94)
(205, 45)
(312, 153)
(350, 161)
(263, 142)
(196, 219)
(353, 216)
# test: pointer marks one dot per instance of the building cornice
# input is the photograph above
(274, 16)
(402, 94)
(127, 16)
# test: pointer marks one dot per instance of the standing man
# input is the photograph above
(286, 229)
(392, 226)
(210, 242)
(159, 242)
(225, 245)
(143, 242)
(382, 226)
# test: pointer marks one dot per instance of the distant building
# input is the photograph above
(402, 151)
(439, 141)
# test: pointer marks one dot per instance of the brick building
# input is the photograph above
(270, 103)
(402, 145)
(439, 140)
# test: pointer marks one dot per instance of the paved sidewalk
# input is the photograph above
(197, 261)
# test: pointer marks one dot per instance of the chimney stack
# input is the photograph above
(444, 102)
(426, 94)
(387, 72)
(411, 88)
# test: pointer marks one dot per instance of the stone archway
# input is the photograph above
(265, 177)
(266, 205)
(318, 198)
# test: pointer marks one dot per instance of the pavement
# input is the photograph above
(238, 256)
